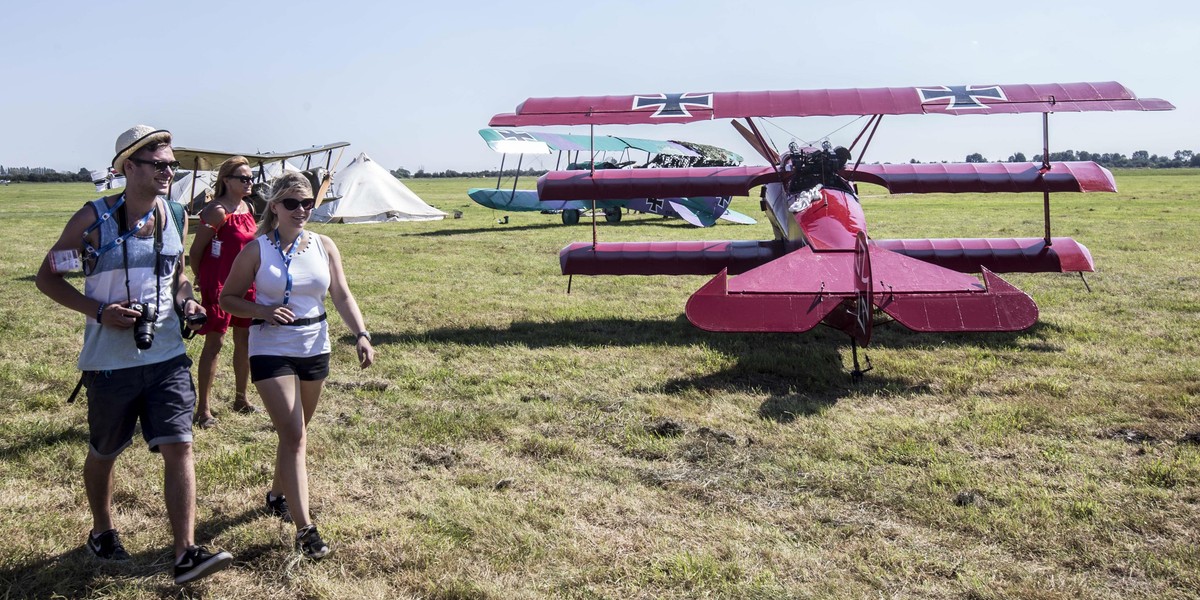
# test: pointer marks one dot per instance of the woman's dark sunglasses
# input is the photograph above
(243, 178)
(293, 204)
(159, 165)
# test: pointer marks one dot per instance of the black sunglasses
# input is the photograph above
(243, 178)
(293, 204)
(159, 165)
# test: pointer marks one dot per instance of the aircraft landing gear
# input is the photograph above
(612, 215)
(856, 375)
(570, 216)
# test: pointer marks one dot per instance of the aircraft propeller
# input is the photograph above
(759, 146)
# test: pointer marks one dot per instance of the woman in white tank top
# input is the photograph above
(292, 269)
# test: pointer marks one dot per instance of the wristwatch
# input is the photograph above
(366, 334)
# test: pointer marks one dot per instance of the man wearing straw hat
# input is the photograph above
(133, 360)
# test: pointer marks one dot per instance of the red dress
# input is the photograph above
(215, 263)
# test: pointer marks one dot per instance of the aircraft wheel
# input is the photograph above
(612, 215)
(570, 216)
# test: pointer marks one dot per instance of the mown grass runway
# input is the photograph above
(513, 441)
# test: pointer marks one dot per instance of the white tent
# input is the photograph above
(367, 193)
(183, 192)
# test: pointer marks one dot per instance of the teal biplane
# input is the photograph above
(701, 211)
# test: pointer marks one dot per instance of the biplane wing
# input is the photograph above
(700, 211)
(528, 200)
(512, 141)
(685, 107)
(197, 159)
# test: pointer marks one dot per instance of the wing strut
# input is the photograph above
(878, 120)
(513, 194)
(592, 164)
(864, 130)
(1046, 169)
(192, 198)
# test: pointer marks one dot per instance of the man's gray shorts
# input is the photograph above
(160, 395)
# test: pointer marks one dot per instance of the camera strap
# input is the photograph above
(158, 246)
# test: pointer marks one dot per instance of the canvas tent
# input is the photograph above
(367, 193)
(184, 193)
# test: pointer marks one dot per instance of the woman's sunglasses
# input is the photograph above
(293, 204)
(243, 178)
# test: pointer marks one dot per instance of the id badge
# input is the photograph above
(216, 249)
(65, 261)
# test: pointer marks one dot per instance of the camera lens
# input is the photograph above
(143, 326)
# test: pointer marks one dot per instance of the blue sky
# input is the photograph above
(411, 85)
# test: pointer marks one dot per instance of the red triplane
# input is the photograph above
(822, 267)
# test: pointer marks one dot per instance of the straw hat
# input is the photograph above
(134, 139)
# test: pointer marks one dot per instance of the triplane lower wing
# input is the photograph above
(822, 267)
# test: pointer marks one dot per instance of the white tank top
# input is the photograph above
(310, 282)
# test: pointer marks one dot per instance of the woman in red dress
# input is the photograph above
(226, 225)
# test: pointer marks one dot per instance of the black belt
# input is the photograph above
(297, 322)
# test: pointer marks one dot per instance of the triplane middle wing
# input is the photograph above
(822, 267)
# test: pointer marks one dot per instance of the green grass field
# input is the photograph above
(513, 441)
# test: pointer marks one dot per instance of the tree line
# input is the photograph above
(44, 175)
(403, 173)
(1138, 160)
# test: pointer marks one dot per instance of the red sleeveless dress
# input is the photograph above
(231, 237)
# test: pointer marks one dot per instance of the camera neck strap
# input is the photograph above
(158, 246)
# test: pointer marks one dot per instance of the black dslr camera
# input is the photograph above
(143, 326)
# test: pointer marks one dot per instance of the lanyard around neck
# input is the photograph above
(287, 262)
(121, 237)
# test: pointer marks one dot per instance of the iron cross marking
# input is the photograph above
(655, 205)
(962, 97)
(673, 105)
(512, 134)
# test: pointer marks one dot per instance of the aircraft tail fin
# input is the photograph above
(734, 216)
(688, 215)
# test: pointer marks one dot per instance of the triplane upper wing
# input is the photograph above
(686, 107)
(822, 267)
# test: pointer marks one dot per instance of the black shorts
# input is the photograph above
(307, 368)
(160, 395)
